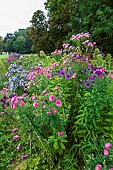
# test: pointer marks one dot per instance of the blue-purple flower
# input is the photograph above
(88, 84)
(68, 76)
(61, 72)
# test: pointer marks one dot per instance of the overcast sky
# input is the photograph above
(16, 14)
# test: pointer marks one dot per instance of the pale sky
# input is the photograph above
(16, 14)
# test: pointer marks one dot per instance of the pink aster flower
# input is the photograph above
(35, 104)
(54, 111)
(18, 147)
(106, 152)
(22, 103)
(60, 133)
(15, 137)
(24, 156)
(48, 113)
(43, 92)
(56, 87)
(108, 145)
(33, 97)
(4, 90)
(14, 130)
(98, 167)
(13, 106)
(51, 98)
(111, 169)
(2, 113)
(48, 76)
(58, 103)
(111, 76)
(74, 75)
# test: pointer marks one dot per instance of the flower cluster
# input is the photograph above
(16, 77)
(106, 152)
(79, 36)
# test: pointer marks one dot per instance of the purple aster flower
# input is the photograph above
(24, 156)
(85, 71)
(68, 76)
(98, 73)
(74, 55)
(61, 72)
(92, 77)
(87, 84)
(94, 68)
(78, 56)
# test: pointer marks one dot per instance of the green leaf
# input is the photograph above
(62, 146)
(56, 145)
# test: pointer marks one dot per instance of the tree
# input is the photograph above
(39, 33)
(1, 44)
(12, 42)
(59, 13)
(19, 44)
(9, 45)
(95, 17)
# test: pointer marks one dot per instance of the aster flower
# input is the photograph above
(106, 152)
(22, 103)
(24, 156)
(61, 72)
(68, 77)
(108, 145)
(87, 84)
(48, 76)
(35, 104)
(15, 137)
(98, 73)
(58, 103)
(60, 133)
(98, 167)
(14, 130)
(54, 111)
(92, 77)
(51, 98)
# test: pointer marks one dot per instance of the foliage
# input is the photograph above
(63, 118)
(18, 42)
(38, 32)
(1, 44)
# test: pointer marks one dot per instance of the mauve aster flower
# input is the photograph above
(56, 87)
(35, 104)
(18, 147)
(68, 76)
(15, 137)
(43, 92)
(78, 56)
(108, 145)
(48, 76)
(111, 76)
(106, 152)
(24, 156)
(2, 113)
(87, 84)
(48, 113)
(60, 133)
(22, 103)
(98, 167)
(58, 102)
(33, 97)
(51, 98)
(54, 111)
(14, 130)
